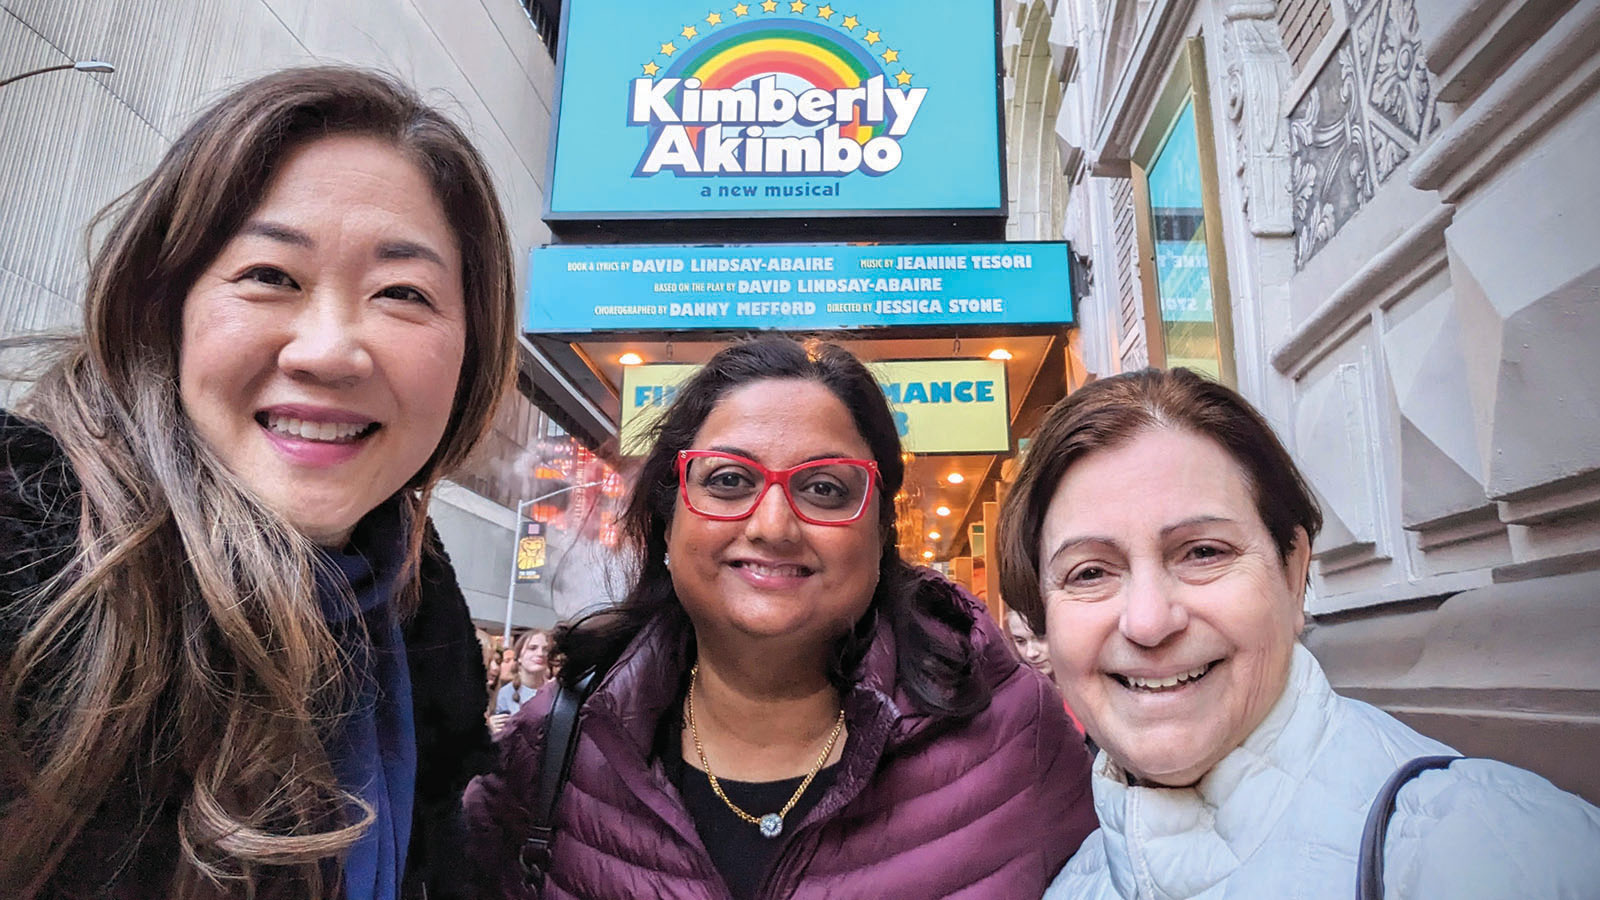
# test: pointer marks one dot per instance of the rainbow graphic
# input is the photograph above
(820, 56)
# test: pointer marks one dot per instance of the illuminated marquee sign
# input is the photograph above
(735, 123)
(797, 287)
(778, 108)
(940, 405)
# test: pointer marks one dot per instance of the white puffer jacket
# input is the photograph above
(1281, 817)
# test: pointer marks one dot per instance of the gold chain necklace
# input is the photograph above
(771, 824)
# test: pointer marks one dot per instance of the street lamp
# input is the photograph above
(516, 534)
(87, 65)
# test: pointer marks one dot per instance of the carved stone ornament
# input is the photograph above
(1369, 109)
(1258, 75)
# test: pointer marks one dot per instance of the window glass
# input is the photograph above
(1183, 273)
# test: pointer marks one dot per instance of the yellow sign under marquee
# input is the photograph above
(646, 393)
(939, 405)
(948, 405)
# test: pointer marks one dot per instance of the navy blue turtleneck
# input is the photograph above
(373, 748)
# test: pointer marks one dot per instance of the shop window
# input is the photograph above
(1183, 277)
(1183, 269)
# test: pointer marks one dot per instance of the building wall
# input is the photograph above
(70, 143)
(1409, 208)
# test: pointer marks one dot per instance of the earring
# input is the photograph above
(666, 560)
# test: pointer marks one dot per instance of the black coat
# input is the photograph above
(129, 848)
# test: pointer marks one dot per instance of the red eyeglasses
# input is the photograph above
(726, 487)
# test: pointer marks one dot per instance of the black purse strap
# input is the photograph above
(560, 744)
(1369, 873)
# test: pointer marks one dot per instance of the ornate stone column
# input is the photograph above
(1257, 78)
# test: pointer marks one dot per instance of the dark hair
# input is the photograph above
(193, 603)
(1111, 411)
(179, 219)
(934, 664)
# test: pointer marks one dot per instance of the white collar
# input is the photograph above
(1177, 842)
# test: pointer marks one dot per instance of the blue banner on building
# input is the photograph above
(796, 287)
(779, 108)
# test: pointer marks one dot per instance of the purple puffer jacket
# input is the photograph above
(991, 809)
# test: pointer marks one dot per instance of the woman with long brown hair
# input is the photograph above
(217, 574)
(533, 670)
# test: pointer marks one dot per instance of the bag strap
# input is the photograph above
(560, 744)
(1369, 872)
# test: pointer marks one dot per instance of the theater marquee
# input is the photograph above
(796, 287)
(779, 108)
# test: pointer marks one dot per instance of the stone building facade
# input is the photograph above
(70, 143)
(1401, 215)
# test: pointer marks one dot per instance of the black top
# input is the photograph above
(127, 850)
(738, 850)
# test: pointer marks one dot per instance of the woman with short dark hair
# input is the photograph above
(217, 575)
(785, 708)
(1159, 536)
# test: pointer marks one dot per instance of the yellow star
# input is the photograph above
(650, 68)
(872, 37)
(850, 22)
(689, 31)
(714, 19)
(739, 9)
(825, 12)
(891, 55)
(769, 5)
(798, 6)
(904, 77)
(669, 48)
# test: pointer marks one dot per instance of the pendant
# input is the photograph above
(771, 825)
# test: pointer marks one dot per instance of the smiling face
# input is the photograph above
(771, 576)
(1170, 616)
(322, 347)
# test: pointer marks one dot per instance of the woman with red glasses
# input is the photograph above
(784, 707)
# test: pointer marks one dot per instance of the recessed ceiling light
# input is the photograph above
(955, 478)
(942, 511)
(630, 359)
(1000, 353)
(927, 554)
(934, 535)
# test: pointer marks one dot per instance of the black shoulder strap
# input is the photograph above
(1369, 872)
(560, 742)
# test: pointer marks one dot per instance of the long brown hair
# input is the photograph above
(1108, 413)
(183, 645)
